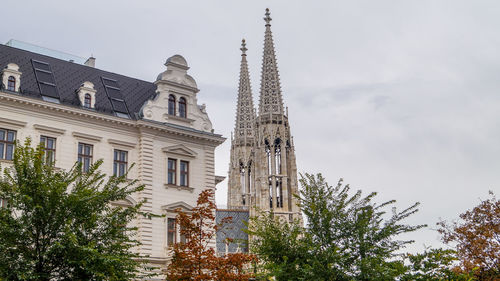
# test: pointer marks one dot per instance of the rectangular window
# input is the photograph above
(49, 145)
(172, 171)
(182, 238)
(171, 231)
(120, 162)
(7, 139)
(184, 173)
(3, 203)
(85, 152)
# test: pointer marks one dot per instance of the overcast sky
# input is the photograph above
(398, 97)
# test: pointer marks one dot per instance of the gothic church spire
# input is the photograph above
(244, 111)
(271, 100)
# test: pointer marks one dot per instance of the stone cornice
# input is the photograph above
(179, 85)
(165, 127)
(11, 122)
(122, 143)
(210, 138)
(84, 136)
(52, 130)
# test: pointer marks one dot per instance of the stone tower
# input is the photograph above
(263, 171)
(241, 165)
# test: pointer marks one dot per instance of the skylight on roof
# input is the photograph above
(45, 79)
(115, 97)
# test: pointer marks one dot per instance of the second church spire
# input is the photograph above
(245, 111)
(271, 100)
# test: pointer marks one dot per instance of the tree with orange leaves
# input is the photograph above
(195, 259)
(477, 238)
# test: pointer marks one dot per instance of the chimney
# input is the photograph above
(90, 62)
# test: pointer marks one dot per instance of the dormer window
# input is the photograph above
(11, 77)
(171, 105)
(182, 108)
(86, 94)
(11, 83)
(87, 101)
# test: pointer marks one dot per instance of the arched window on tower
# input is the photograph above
(11, 83)
(270, 193)
(242, 182)
(268, 154)
(279, 193)
(182, 108)
(171, 105)
(277, 155)
(249, 172)
(87, 101)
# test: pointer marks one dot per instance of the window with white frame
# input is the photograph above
(120, 162)
(184, 173)
(171, 231)
(172, 171)
(85, 153)
(7, 144)
(174, 234)
(11, 83)
(49, 145)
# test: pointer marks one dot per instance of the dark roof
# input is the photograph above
(70, 76)
(233, 230)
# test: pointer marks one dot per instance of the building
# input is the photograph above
(82, 113)
(262, 169)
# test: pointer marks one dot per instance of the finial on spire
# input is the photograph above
(268, 18)
(243, 48)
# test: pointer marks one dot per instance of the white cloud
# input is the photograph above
(398, 97)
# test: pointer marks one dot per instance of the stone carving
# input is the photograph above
(175, 81)
(262, 171)
(271, 100)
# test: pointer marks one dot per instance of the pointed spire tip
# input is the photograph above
(243, 47)
(268, 18)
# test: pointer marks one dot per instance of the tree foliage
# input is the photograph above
(62, 225)
(477, 239)
(195, 259)
(434, 264)
(284, 249)
(347, 237)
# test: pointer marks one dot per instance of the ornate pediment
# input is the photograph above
(180, 205)
(181, 150)
(127, 202)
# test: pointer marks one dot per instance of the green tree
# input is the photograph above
(347, 237)
(62, 225)
(282, 247)
(434, 264)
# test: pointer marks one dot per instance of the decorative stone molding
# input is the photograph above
(180, 150)
(12, 69)
(50, 130)
(127, 202)
(87, 137)
(173, 207)
(129, 145)
(176, 72)
(219, 179)
(86, 88)
(179, 187)
(12, 123)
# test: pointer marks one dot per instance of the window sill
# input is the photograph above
(6, 161)
(179, 187)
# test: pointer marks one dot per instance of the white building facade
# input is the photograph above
(82, 113)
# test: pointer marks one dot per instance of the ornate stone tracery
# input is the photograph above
(263, 172)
